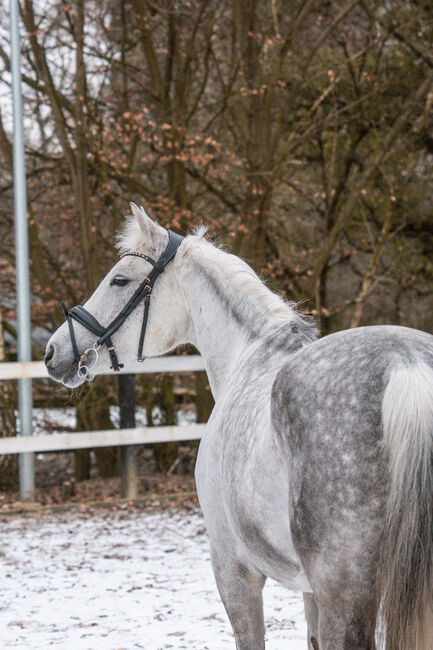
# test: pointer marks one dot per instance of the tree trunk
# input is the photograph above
(93, 413)
(9, 462)
(204, 400)
(369, 277)
(165, 453)
(128, 454)
(81, 456)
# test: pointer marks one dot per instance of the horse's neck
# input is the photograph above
(230, 309)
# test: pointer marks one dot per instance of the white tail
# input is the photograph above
(406, 564)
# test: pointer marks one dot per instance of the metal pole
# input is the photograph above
(26, 461)
(128, 455)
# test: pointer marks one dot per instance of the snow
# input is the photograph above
(112, 580)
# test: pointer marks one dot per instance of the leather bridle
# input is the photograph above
(104, 334)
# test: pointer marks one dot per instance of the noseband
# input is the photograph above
(143, 292)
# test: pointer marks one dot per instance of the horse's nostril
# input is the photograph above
(49, 353)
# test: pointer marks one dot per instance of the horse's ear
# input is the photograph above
(151, 230)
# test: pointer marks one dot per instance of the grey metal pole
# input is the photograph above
(26, 461)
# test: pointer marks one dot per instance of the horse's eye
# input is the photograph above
(118, 282)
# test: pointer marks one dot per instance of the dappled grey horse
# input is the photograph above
(315, 468)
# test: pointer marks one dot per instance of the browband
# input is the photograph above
(143, 292)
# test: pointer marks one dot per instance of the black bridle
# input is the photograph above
(104, 334)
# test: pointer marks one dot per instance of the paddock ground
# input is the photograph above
(121, 578)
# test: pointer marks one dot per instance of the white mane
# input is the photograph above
(234, 279)
(239, 280)
(243, 291)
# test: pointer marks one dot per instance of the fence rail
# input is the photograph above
(105, 438)
(37, 369)
(109, 437)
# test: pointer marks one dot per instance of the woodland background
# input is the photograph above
(300, 132)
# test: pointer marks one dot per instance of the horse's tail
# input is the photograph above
(406, 563)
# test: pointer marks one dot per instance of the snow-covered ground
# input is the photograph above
(122, 580)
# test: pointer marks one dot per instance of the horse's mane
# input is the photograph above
(244, 282)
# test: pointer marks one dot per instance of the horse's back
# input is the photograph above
(327, 409)
(344, 375)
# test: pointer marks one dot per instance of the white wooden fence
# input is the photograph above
(111, 437)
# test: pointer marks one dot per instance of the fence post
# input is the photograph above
(26, 461)
(128, 455)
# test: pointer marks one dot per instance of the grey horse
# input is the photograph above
(315, 468)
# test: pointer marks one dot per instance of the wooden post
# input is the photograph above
(128, 454)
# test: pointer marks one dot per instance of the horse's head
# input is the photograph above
(168, 316)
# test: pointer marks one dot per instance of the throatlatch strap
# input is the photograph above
(174, 241)
(147, 298)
